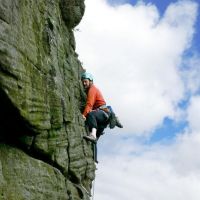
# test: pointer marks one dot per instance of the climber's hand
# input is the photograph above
(84, 118)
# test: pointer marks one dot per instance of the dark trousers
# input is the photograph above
(97, 119)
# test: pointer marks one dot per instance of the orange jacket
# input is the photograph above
(94, 100)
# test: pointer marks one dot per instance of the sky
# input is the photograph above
(145, 58)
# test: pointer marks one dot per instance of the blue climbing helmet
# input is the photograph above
(86, 75)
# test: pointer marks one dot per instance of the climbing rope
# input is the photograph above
(93, 189)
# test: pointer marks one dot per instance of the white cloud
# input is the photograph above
(144, 178)
(191, 74)
(130, 169)
(194, 113)
(135, 55)
(183, 154)
(167, 172)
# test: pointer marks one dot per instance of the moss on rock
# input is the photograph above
(40, 101)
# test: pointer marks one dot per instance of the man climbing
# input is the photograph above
(96, 113)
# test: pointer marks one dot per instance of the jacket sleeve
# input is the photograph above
(91, 98)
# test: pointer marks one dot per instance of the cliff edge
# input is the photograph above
(42, 153)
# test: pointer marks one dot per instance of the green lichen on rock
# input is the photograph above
(41, 93)
(72, 11)
(28, 178)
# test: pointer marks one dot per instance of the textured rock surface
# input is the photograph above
(40, 100)
(27, 176)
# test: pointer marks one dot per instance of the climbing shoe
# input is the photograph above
(90, 138)
(112, 120)
(118, 123)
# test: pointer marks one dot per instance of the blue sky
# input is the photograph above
(169, 128)
(145, 59)
(162, 5)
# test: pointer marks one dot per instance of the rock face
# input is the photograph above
(42, 153)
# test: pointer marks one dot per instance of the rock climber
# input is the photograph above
(96, 113)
